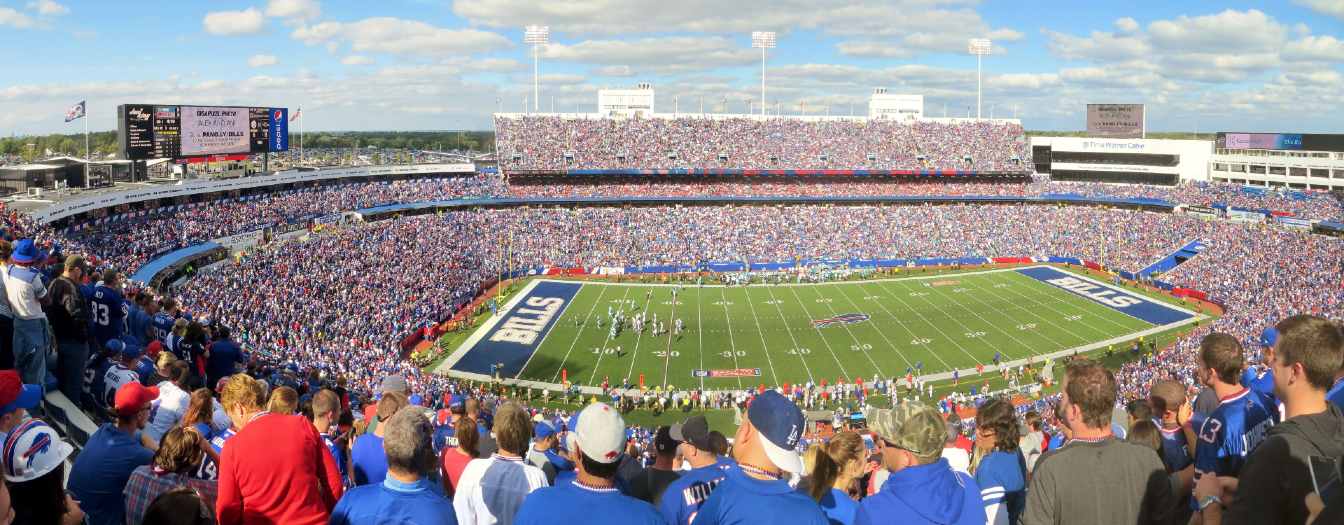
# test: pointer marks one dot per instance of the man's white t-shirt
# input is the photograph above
(958, 459)
(167, 410)
(491, 490)
(24, 287)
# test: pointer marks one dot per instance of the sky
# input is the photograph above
(429, 65)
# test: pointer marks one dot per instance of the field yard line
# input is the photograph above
(732, 346)
(1066, 302)
(819, 334)
(996, 325)
(603, 351)
(876, 368)
(766, 347)
(578, 335)
(784, 321)
(634, 354)
(930, 323)
(882, 333)
(479, 334)
(1042, 317)
(700, 334)
(956, 319)
(672, 320)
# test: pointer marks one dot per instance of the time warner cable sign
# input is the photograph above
(1120, 121)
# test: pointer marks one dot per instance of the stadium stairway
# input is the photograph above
(1174, 259)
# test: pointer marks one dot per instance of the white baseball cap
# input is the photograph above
(600, 433)
(32, 450)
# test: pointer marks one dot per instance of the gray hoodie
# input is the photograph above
(1276, 478)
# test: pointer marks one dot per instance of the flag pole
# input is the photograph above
(301, 128)
(86, 147)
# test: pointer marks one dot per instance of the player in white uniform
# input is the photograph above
(122, 370)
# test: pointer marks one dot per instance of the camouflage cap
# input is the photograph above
(912, 426)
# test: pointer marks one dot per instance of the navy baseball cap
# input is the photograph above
(457, 402)
(1269, 336)
(780, 422)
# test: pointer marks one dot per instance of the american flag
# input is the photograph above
(297, 112)
(76, 111)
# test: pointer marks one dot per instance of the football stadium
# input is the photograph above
(765, 265)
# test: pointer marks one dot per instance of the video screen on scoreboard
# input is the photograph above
(147, 131)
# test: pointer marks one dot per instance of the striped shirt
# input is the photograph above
(148, 482)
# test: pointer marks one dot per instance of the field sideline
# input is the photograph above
(795, 333)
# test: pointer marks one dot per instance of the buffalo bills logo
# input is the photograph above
(839, 319)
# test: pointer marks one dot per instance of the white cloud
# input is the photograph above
(613, 71)
(1333, 8)
(48, 8)
(1099, 46)
(15, 19)
(298, 10)
(665, 54)
(1226, 32)
(403, 37)
(262, 60)
(1324, 48)
(356, 60)
(225, 23)
(1127, 24)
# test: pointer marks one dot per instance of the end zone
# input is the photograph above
(512, 336)
(1131, 304)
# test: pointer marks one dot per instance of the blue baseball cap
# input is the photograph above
(457, 402)
(543, 430)
(15, 395)
(1269, 336)
(115, 345)
(132, 350)
(25, 252)
(780, 423)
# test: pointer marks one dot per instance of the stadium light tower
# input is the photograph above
(979, 47)
(538, 36)
(763, 40)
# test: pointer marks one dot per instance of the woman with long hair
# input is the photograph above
(178, 458)
(999, 466)
(838, 464)
(197, 419)
(455, 459)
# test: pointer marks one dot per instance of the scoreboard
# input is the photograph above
(152, 131)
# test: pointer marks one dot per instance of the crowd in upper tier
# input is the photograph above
(558, 143)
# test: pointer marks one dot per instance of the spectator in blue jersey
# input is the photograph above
(407, 495)
(1260, 376)
(599, 441)
(683, 498)
(165, 317)
(110, 456)
(367, 460)
(543, 440)
(838, 466)
(68, 314)
(1171, 416)
(1095, 478)
(921, 487)
(1274, 482)
(107, 309)
(1243, 415)
(223, 356)
(140, 317)
(27, 292)
(326, 412)
(1000, 468)
(756, 492)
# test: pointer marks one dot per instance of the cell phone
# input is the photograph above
(1324, 476)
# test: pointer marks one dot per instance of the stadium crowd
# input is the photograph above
(556, 143)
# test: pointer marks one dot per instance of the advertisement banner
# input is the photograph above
(214, 130)
(279, 129)
(1115, 120)
(732, 372)
(1203, 211)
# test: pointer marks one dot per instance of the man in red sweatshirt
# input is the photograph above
(276, 468)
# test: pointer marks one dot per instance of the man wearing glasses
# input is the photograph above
(922, 487)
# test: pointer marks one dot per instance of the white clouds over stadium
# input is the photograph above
(427, 66)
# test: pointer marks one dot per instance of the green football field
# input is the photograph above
(933, 324)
